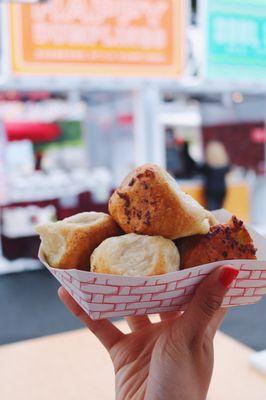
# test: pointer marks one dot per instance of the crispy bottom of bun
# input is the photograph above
(229, 241)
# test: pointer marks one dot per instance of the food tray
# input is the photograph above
(106, 296)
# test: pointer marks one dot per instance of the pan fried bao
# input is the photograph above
(223, 242)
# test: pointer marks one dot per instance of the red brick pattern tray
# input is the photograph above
(106, 296)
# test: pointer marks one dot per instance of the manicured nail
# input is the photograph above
(227, 276)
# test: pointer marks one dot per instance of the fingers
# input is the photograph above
(105, 331)
(137, 323)
(202, 311)
(170, 315)
(142, 322)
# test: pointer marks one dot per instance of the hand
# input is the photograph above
(172, 359)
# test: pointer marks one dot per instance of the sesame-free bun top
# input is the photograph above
(150, 202)
(69, 243)
(135, 255)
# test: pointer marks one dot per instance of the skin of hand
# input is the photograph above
(172, 359)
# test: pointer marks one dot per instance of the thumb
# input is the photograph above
(207, 301)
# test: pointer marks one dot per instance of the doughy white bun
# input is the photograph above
(135, 255)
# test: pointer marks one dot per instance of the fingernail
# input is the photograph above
(227, 276)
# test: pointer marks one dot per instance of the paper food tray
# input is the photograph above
(106, 296)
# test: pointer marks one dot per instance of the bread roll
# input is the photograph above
(69, 243)
(150, 202)
(135, 255)
(230, 241)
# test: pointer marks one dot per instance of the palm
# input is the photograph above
(139, 356)
(172, 359)
(132, 358)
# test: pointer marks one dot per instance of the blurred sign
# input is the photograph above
(21, 221)
(20, 157)
(258, 135)
(98, 37)
(235, 39)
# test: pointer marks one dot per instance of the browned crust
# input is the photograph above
(146, 204)
(102, 267)
(224, 242)
(82, 240)
(160, 268)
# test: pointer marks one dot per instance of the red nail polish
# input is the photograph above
(227, 276)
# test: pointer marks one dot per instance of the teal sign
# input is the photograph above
(235, 40)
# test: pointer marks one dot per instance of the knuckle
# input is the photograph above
(78, 312)
(176, 346)
(207, 350)
(98, 325)
(211, 304)
(82, 316)
(207, 341)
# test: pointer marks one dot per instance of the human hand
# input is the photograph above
(172, 359)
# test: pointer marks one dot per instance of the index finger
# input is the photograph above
(201, 314)
(106, 332)
(170, 315)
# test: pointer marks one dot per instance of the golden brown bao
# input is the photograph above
(135, 255)
(69, 243)
(150, 202)
(224, 242)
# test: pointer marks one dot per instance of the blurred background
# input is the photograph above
(89, 90)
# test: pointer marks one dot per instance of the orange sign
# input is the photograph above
(98, 37)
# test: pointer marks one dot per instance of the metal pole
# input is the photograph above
(149, 140)
(3, 186)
